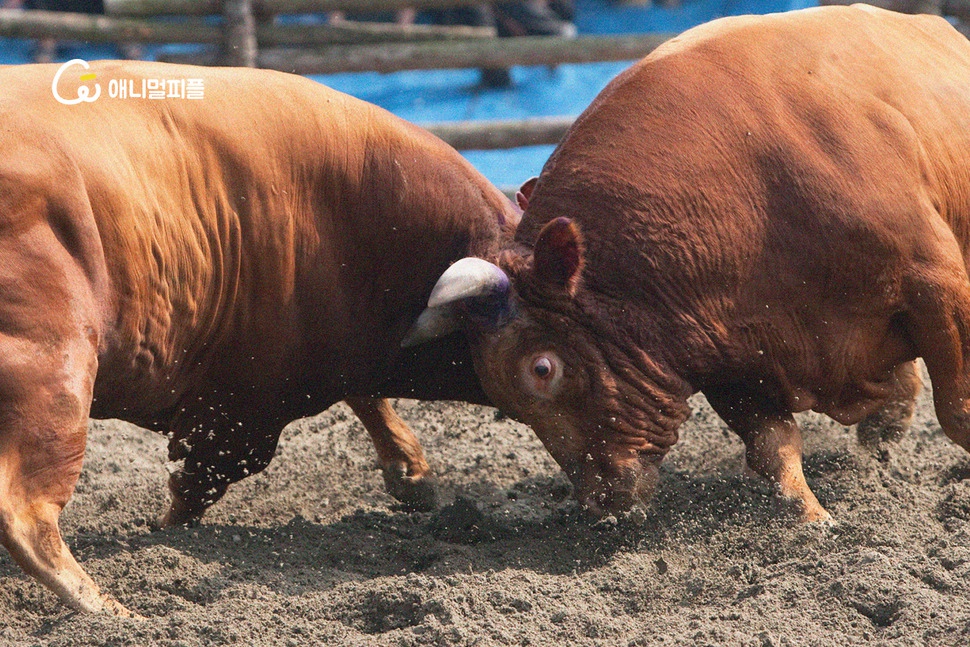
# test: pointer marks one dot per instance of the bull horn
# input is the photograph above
(468, 278)
(433, 323)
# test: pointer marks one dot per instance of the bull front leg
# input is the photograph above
(888, 424)
(407, 476)
(938, 322)
(773, 446)
(216, 451)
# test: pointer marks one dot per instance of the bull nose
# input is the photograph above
(606, 497)
(617, 490)
(587, 488)
(593, 505)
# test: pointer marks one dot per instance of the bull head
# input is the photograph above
(539, 362)
(481, 288)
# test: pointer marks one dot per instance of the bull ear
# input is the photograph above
(558, 254)
(524, 193)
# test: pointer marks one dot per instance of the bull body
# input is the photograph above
(772, 210)
(214, 269)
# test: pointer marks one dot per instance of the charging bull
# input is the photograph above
(213, 268)
(772, 210)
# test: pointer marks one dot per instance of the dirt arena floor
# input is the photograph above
(313, 552)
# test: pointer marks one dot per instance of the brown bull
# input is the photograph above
(213, 269)
(772, 210)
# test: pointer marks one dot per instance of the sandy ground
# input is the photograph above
(313, 552)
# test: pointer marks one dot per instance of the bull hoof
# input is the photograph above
(89, 600)
(176, 515)
(820, 516)
(115, 608)
(808, 513)
(417, 493)
(885, 427)
(804, 512)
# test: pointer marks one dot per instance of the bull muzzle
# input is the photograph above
(611, 488)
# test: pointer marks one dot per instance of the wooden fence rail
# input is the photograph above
(960, 8)
(271, 7)
(103, 29)
(501, 134)
(481, 53)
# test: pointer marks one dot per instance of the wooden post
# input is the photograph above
(239, 48)
(957, 8)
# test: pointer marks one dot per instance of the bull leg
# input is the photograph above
(406, 473)
(892, 421)
(214, 459)
(45, 397)
(773, 447)
(939, 324)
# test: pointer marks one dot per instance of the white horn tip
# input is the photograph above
(432, 324)
(468, 277)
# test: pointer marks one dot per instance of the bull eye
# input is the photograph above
(541, 374)
(542, 367)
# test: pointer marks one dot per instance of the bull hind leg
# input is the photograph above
(45, 397)
(215, 453)
(892, 421)
(48, 361)
(773, 446)
(407, 476)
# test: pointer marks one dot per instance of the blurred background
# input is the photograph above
(433, 62)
